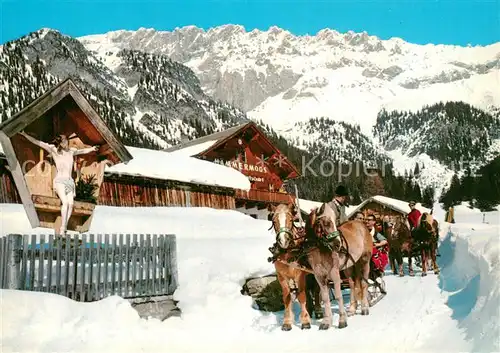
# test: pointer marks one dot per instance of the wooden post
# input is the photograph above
(13, 270)
(298, 205)
(18, 176)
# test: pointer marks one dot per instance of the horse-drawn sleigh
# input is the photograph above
(310, 260)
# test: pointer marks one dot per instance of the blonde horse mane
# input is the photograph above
(428, 218)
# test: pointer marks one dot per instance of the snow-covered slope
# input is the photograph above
(286, 81)
(217, 318)
(282, 78)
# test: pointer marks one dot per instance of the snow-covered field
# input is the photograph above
(217, 249)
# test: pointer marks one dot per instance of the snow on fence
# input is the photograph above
(130, 265)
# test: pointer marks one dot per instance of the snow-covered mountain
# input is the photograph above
(289, 82)
(284, 79)
(149, 100)
(322, 93)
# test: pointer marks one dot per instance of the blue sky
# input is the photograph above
(456, 22)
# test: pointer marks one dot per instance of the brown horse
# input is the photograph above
(291, 278)
(400, 244)
(353, 257)
(426, 235)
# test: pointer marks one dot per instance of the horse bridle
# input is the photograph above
(285, 230)
(328, 235)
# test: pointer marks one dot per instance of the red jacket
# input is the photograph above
(413, 217)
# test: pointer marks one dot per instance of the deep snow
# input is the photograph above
(217, 250)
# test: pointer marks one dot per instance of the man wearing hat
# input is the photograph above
(414, 215)
(339, 203)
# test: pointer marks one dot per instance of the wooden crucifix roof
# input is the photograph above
(62, 108)
(67, 94)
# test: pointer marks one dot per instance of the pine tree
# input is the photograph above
(428, 197)
(416, 171)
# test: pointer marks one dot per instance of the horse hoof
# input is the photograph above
(324, 326)
(342, 324)
(436, 272)
(424, 274)
(351, 313)
(365, 312)
(286, 327)
(401, 275)
(306, 326)
(412, 274)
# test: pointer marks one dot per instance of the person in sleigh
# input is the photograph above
(380, 257)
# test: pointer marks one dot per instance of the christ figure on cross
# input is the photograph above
(63, 183)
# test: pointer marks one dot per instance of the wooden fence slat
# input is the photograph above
(134, 265)
(154, 288)
(3, 260)
(67, 261)
(41, 263)
(106, 264)
(83, 260)
(165, 264)
(113, 265)
(141, 265)
(99, 265)
(120, 265)
(127, 266)
(148, 263)
(74, 271)
(90, 288)
(50, 255)
(32, 263)
(58, 249)
(24, 263)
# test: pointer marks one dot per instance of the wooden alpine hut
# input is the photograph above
(247, 149)
(383, 205)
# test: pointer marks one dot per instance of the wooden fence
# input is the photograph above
(128, 265)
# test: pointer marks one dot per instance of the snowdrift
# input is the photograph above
(470, 264)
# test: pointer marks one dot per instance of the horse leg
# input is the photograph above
(433, 256)
(325, 296)
(410, 264)
(310, 291)
(335, 276)
(400, 263)
(318, 310)
(392, 260)
(365, 273)
(424, 261)
(354, 297)
(287, 300)
(305, 319)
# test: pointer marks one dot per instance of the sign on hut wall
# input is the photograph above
(246, 167)
(29, 142)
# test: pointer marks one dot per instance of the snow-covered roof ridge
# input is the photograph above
(395, 204)
(169, 166)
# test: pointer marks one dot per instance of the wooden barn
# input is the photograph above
(247, 149)
(122, 176)
(158, 178)
(61, 110)
(383, 205)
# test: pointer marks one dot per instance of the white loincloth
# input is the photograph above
(69, 184)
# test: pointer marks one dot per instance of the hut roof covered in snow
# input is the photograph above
(394, 204)
(170, 166)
